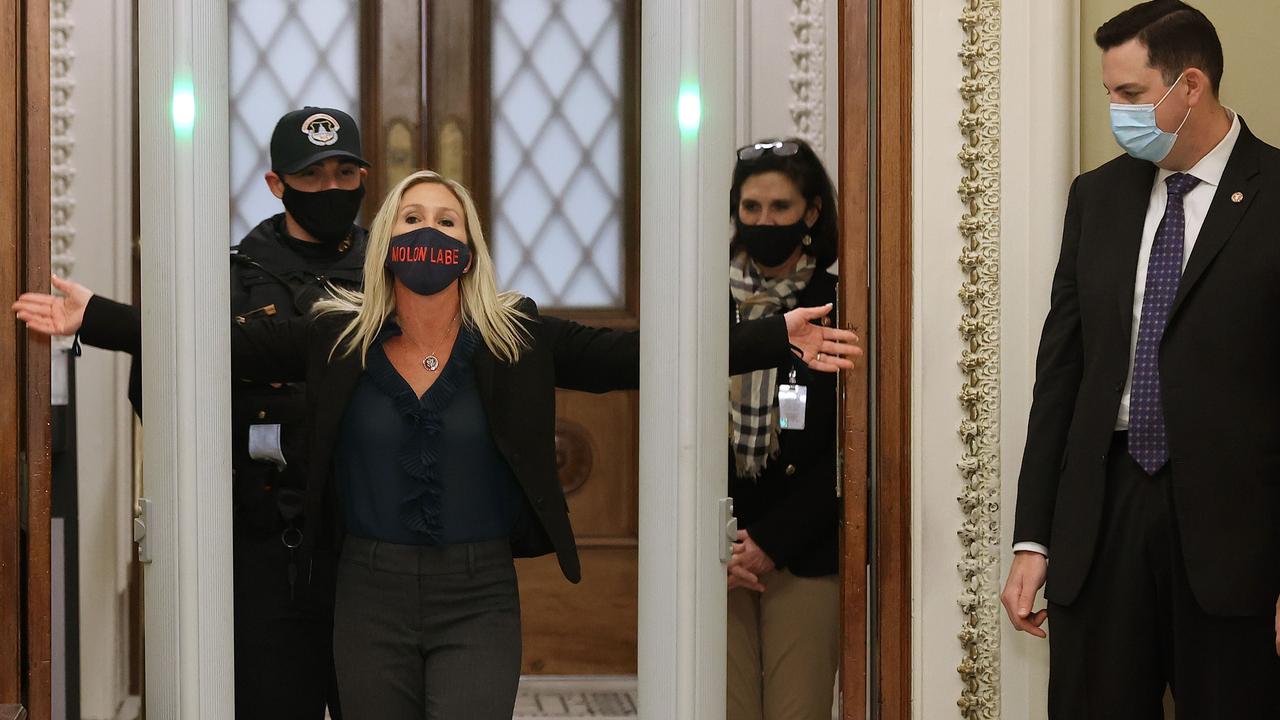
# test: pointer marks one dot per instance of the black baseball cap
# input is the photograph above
(307, 136)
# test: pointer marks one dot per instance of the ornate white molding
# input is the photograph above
(61, 142)
(808, 76)
(980, 361)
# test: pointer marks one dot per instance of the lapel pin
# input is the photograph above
(1237, 197)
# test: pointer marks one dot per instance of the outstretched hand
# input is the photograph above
(825, 349)
(51, 314)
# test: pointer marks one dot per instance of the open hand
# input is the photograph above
(1026, 577)
(825, 349)
(51, 314)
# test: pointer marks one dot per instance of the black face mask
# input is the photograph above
(327, 214)
(426, 260)
(771, 245)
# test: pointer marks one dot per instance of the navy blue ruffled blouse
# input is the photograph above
(423, 470)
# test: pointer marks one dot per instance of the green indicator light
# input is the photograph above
(689, 109)
(184, 106)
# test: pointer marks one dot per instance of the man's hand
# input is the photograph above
(1026, 577)
(53, 315)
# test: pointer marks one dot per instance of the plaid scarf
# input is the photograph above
(753, 406)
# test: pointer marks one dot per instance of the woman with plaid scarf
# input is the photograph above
(784, 589)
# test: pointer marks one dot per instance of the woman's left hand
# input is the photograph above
(825, 349)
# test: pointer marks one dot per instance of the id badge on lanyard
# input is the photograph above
(792, 398)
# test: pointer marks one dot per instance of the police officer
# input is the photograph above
(283, 597)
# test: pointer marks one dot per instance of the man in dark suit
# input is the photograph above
(1149, 493)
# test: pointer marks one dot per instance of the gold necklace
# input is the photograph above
(430, 362)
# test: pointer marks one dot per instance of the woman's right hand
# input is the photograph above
(51, 314)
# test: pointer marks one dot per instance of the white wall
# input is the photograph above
(1039, 141)
(101, 70)
(766, 65)
(936, 348)
(1036, 161)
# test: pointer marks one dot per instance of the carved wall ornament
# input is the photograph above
(808, 76)
(979, 327)
(61, 142)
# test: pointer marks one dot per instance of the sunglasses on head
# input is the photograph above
(777, 147)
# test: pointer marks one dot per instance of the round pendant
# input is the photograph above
(431, 363)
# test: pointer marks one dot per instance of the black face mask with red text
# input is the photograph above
(426, 260)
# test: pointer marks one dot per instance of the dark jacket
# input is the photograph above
(791, 510)
(264, 273)
(1219, 383)
(519, 401)
(269, 279)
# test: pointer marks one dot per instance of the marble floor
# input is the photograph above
(604, 697)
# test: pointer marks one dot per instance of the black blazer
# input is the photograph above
(519, 401)
(1219, 380)
(115, 326)
(791, 510)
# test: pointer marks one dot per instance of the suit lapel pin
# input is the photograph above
(1237, 197)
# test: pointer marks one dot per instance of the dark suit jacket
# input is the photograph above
(791, 510)
(1219, 380)
(518, 399)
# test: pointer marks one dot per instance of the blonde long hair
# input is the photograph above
(492, 314)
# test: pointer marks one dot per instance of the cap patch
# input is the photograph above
(321, 129)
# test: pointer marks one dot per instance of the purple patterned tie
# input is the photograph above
(1148, 443)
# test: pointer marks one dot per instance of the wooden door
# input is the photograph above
(496, 98)
(875, 154)
(25, 647)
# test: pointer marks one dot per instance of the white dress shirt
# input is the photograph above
(1195, 206)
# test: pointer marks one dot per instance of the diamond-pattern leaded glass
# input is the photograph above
(557, 150)
(283, 55)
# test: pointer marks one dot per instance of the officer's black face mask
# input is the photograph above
(328, 214)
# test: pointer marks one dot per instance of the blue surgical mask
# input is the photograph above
(1135, 129)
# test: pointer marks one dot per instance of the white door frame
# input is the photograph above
(186, 353)
(684, 291)
(684, 358)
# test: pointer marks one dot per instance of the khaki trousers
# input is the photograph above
(784, 648)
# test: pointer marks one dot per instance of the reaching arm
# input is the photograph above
(771, 341)
(100, 322)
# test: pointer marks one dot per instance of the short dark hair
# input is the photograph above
(807, 173)
(1177, 37)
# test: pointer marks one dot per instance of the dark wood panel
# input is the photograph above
(12, 712)
(36, 374)
(24, 358)
(11, 182)
(456, 55)
(583, 629)
(590, 628)
(392, 86)
(893, 367)
(854, 109)
(606, 502)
